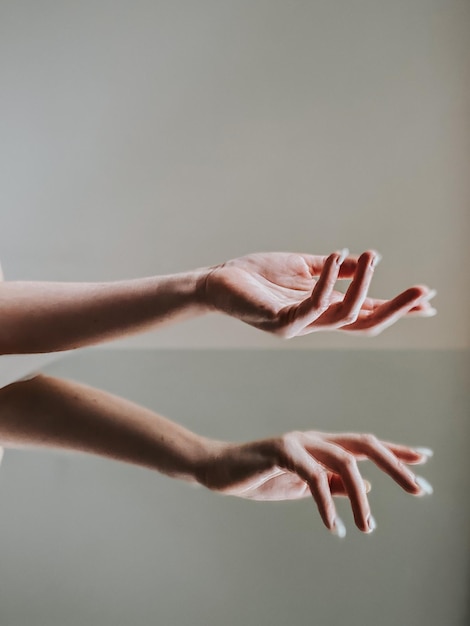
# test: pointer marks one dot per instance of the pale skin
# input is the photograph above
(282, 293)
(55, 413)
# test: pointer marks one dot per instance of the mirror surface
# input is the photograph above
(88, 540)
(143, 138)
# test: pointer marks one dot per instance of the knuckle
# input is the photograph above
(287, 449)
(349, 317)
(369, 440)
(290, 440)
(348, 462)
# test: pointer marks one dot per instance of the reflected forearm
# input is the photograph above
(51, 412)
(47, 316)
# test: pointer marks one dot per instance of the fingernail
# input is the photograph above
(429, 312)
(424, 451)
(371, 523)
(424, 485)
(367, 486)
(339, 529)
(376, 260)
(429, 295)
(342, 255)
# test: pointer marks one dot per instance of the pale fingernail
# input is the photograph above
(376, 260)
(424, 485)
(424, 451)
(342, 255)
(367, 486)
(371, 523)
(429, 295)
(429, 312)
(339, 529)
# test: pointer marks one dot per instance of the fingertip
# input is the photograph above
(371, 524)
(424, 485)
(342, 255)
(371, 257)
(425, 453)
(417, 292)
(430, 294)
(338, 529)
(422, 310)
(376, 259)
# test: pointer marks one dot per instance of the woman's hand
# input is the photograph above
(293, 294)
(302, 464)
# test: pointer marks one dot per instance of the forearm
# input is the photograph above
(48, 316)
(54, 413)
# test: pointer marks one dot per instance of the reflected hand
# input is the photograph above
(293, 294)
(303, 464)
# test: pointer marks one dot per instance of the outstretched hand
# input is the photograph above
(306, 464)
(293, 294)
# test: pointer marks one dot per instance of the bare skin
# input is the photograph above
(282, 293)
(53, 413)
(293, 294)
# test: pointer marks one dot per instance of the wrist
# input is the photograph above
(210, 454)
(173, 296)
(201, 290)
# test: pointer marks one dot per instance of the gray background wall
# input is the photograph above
(89, 541)
(155, 136)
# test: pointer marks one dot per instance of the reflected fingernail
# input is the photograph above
(376, 260)
(424, 485)
(427, 452)
(371, 523)
(339, 529)
(342, 255)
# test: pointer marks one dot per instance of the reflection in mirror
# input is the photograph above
(151, 138)
(122, 544)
